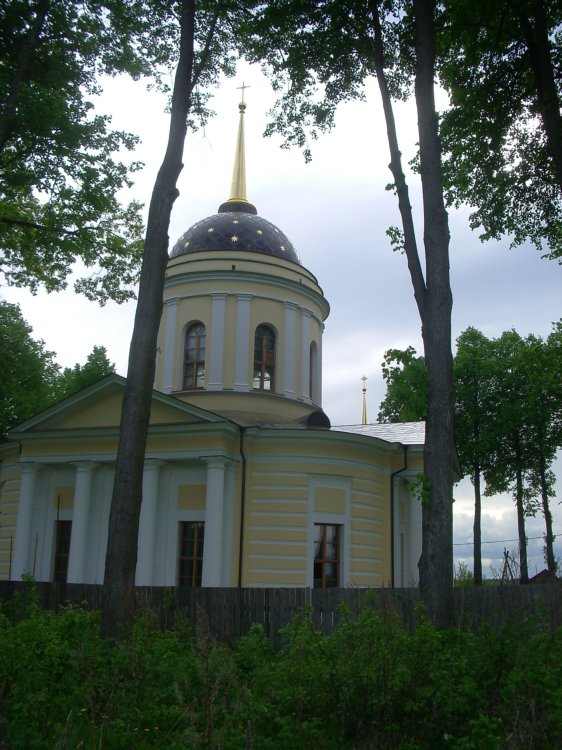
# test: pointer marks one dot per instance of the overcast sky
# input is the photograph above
(335, 210)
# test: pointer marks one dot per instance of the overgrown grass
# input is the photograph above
(369, 686)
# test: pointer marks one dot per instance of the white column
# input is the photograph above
(305, 354)
(147, 522)
(80, 518)
(20, 560)
(216, 342)
(414, 547)
(242, 378)
(319, 368)
(214, 509)
(170, 364)
(289, 354)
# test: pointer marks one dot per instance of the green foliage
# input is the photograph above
(507, 404)
(498, 155)
(59, 179)
(508, 414)
(27, 371)
(74, 379)
(407, 387)
(463, 575)
(420, 487)
(63, 170)
(318, 55)
(369, 684)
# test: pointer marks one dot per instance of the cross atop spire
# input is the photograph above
(243, 87)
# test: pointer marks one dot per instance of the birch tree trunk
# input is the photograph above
(121, 557)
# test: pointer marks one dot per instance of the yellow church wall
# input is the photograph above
(278, 510)
(77, 446)
(371, 530)
(63, 497)
(231, 266)
(329, 500)
(191, 497)
(9, 495)
(104, 412)
(196, 307)
(275, 527)
(252, 403)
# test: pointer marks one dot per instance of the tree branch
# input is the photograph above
(410, 245)
(25, 59)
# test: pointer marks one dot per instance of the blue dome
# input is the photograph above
(236, 227)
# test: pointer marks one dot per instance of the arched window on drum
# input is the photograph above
(194, 357)
(264, 359)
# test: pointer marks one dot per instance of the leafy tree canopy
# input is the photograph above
(502, 135)
(73, 379)
(60, 175)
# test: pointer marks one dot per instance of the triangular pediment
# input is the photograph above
(99, 406)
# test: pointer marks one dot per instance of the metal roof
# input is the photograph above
(407, 433)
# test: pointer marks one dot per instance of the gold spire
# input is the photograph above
(364, 413)
(238, 199)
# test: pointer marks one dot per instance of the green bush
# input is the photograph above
(370, 685)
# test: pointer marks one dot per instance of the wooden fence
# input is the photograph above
(229, 613)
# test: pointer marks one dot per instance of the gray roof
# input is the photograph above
(407, 433)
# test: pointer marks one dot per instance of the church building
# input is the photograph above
(246, 483)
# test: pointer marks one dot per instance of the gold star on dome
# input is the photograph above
(259, 231)
(283, 248)
(236, 221)
(186, 244)
(211, 229)
(234, 238)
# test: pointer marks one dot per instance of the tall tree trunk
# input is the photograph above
(434, 301)
(523, 565)
(436, 563)
(549, 536)
(477, 527)
(121, 557)
(532, 20)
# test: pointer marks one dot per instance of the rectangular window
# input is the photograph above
(326, 555)
(190, 567)
(63, 532)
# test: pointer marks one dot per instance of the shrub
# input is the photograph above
(370, 685)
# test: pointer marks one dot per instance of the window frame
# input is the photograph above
(322, 560)
(197, 363)
(194, 555)
(264, 359)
